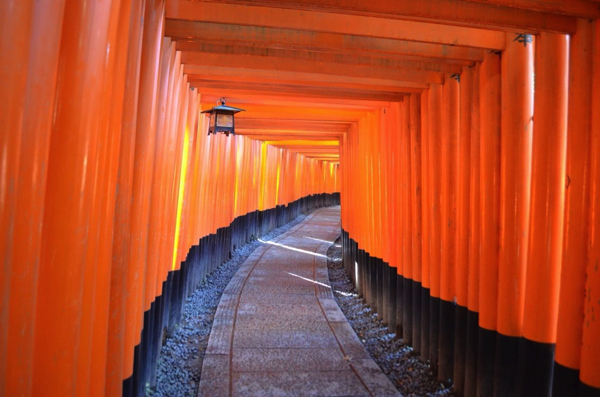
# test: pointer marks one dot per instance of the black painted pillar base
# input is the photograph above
(565, 381)
(588, 391)
(507, 364)
(407, 311)
(470, 389)
(385, 288)
(380, 292)
(536, 367)
(434, 333)
(460, 349)
(393, 283)
(399, 306)
(447, 325)
(416, 312)
(425, 322)
(486, 360)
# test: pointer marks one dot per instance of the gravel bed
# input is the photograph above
(180, 362)
(410, 375)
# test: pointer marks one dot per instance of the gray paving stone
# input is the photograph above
(275, 360)
(290, 323)
(331, 383)
(273, 339)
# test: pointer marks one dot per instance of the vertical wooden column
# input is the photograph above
(547, 214)
(113, 98)
(123, 197)
(142, 176)
(16, 19)
(435, 180)
(398, 255)
(166, 101)
(577, 199)
(68, 210)
(47, 19)
(590, 340)
(515, 174)
(470, 387)
(490, 219)
(450, 159)
(406, 222)
(463, 230)
(97, 261)
(426, 225)
(417, 216)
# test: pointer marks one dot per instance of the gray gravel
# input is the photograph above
(180, 362)
(410, 375)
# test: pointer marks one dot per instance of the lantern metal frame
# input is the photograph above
(222, 118)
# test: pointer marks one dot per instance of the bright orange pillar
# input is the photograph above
(71, 177)
(435, 180)
(577, 200)
(489, 88)
(16, 19)
(463, 230)
(450, 159)
(47, 19)
(547, 214)
(30, 194)
(406, 226)
(416, 189)
(590, 339)
(471, 354)
(426, 226)
(123, 197)
(515, 174)
(142, 176)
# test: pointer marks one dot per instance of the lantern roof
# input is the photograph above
(224, 108)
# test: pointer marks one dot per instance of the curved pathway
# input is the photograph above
(278, 330)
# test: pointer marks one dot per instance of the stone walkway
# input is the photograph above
(278, 330)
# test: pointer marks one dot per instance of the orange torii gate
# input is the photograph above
(462, 135)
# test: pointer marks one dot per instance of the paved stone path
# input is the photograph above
(278, 330)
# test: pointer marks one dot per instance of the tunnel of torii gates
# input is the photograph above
(470, 201)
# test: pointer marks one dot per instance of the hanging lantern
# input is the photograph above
(222, 119)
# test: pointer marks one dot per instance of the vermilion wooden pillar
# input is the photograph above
(114, 96)
(159, 181)
(590, 340)
(142, 176)
(573, 275)
(16, 19)
(463, 230)
(450, 159)
(417, 216)
(47, 19)
(123, 198)
(470, 388)
(489, 88)
(435, 219)
(71, 180)
(547, 214)
(426, 225)
(515, 174)
(406, 228)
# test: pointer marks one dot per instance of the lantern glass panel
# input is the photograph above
(225, 120)
(212, 119)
